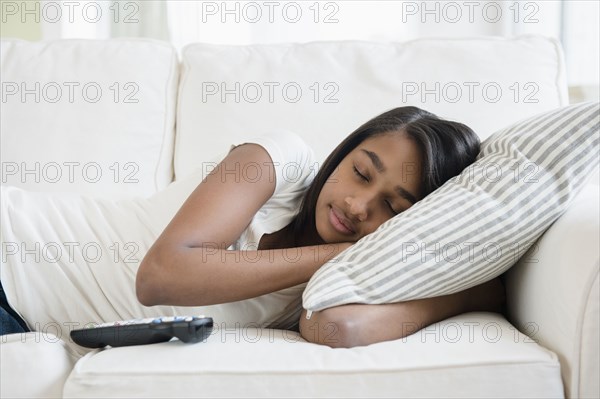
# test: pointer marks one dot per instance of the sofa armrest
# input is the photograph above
(552, 293)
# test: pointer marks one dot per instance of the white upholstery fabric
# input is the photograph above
(469, 356)
(34, 365)
(343, 84)
(112, 143)
(553, 293)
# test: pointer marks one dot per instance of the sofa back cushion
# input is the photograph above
(86, 116)
(324, 90)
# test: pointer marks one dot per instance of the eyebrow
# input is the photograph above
(381, 168)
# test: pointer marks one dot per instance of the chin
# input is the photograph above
(332, 238)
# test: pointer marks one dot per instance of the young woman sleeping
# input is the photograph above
(380, 170)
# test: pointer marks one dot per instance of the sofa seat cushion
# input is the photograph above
(471, 355)
(34, 365)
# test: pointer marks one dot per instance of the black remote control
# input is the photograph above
(144, 331)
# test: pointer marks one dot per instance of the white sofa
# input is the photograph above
(161, 117)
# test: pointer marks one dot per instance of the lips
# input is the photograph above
(340, 223)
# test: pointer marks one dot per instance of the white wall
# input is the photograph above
(574, 22)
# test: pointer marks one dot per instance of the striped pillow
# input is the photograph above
(478, 224)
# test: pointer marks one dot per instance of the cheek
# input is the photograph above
(378, 222)
(325, 194)
(320, 222)
(320, 201)
(321, 204)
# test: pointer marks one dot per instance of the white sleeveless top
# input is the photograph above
(295, 168)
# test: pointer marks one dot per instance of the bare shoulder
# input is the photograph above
(224, 203)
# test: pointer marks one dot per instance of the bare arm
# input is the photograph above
(358, 325)
(206, 275)
(189, 265)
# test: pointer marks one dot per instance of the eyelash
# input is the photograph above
(363, 177)
(359, 174)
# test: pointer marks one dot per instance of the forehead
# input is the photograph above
(391, 147)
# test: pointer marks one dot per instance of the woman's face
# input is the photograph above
(374, 182)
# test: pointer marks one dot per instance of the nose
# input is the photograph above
(357, 207)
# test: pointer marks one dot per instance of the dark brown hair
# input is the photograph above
(446, 147)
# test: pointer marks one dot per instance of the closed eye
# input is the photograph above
(392, 209)
(363, 177)
(359, 174)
